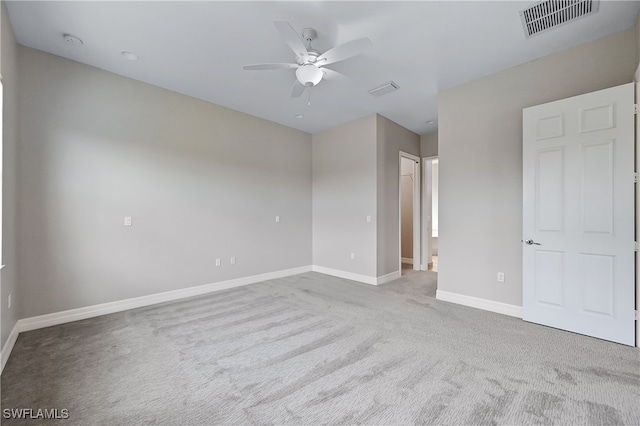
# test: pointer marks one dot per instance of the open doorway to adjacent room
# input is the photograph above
(430, 213)
(409, 212)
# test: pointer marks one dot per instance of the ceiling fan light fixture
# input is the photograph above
(309, 75)
(308, 61)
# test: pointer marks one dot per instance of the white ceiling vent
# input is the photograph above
(384, 89)
(549, 14)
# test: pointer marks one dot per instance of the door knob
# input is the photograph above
(530, 242)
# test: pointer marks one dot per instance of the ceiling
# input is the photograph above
(198, 48)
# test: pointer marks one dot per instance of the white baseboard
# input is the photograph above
(8, 347)
(56, 318)
(388, 278)
(408, 260)
(357, 277)
(346, 275)
(475, 302)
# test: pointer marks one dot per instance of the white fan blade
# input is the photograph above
(291, 38)
(297, 90)
(269, 66)
(344, 51)
(330, 74)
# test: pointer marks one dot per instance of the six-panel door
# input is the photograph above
(578, 208)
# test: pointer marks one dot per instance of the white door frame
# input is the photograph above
(637, 142)
(416, 210)
(427, 208)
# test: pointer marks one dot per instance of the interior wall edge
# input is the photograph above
(10, 198)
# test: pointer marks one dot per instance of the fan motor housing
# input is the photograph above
(312, 57)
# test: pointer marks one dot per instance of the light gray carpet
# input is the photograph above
(313, 349)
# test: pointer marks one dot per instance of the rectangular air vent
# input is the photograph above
(384, 89)
(549, 14)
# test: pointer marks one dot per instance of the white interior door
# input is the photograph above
(578, 214)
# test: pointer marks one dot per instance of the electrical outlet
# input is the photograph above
(368, 218)
(218, 262)
(127, 221)
(9, 302)
(233, 260)
(353, 256)
(277, 219)
(500, 277)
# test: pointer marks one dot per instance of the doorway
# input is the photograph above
(409, 212)
(430, 213)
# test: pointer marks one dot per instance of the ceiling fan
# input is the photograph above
(309, 63)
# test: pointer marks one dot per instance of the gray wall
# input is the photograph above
(391, 139)
(200, 182)
(9, 274)
(344, 193)
(480, 130)
(429, 145)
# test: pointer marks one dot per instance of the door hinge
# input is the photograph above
(637, 315)
(636, 246)
(635, 177)
(636, 108)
